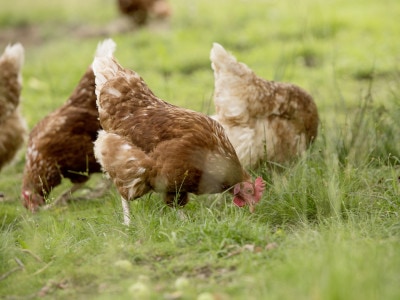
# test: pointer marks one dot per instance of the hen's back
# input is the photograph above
(61, 144)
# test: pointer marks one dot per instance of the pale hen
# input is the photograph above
(266, 121)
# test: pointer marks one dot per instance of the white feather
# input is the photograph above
(104, 67)
(15, 54)
(106, 48)
(222, 61)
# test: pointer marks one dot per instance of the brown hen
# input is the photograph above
(148, 144)
(61, 146)
(140, 10)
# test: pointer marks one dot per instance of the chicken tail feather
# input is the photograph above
(104, 66)
(14, 53)
(106, 48)
(222, 61)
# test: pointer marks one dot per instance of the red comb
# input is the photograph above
(259, 182)
(259, 186)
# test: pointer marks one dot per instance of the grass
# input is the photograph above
(328, 226)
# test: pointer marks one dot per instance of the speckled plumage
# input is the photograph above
(12, 124)
(61, 145)
(264, 120)
(177, 149)
(148, 144)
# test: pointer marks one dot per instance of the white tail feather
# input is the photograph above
(106, 48)
(15, 54)
(222, 61)
(218, 53)
(104, 66)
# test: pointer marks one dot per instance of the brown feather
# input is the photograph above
(265, 120)
(140, 10)
(149, 144)
(61, 144)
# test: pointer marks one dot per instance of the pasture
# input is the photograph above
(328, 226)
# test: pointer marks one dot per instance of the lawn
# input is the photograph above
(328, 226)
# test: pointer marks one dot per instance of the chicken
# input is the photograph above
(148, 144)
(61, 146)
(139, 10)
(265, 121)
(12, 125)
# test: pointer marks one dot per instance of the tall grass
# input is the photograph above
(328, 225)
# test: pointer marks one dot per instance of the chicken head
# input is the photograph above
(32, 201)
(248, 193)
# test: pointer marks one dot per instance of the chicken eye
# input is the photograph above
(249, 191)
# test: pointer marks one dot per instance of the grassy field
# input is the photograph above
(328, 226)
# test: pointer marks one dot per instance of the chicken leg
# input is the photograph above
(126, 211)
